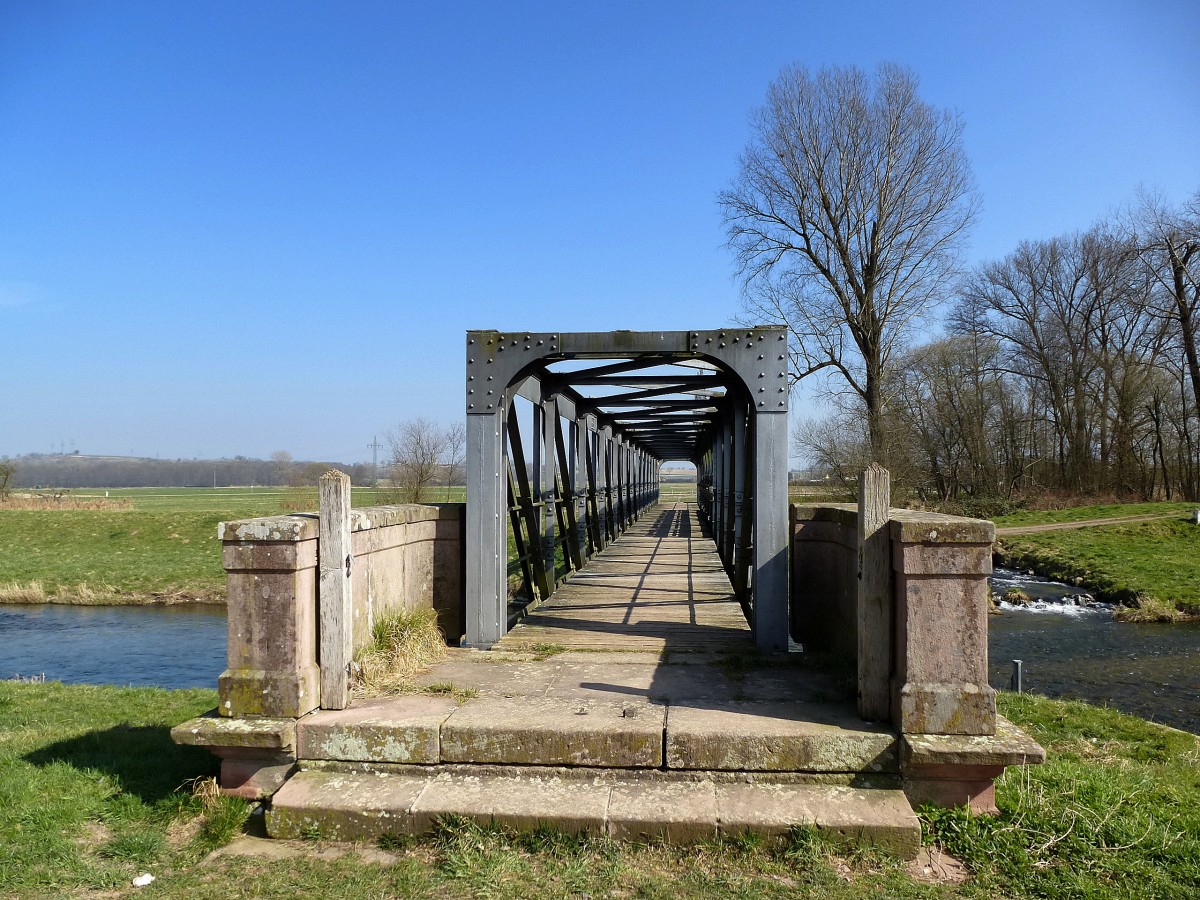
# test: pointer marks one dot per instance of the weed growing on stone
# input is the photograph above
(545, 651)
(403, 644)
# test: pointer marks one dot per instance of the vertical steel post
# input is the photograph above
(548, 410)
(486, 544)
(770, 583)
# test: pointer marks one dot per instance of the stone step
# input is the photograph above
(348, 806)
(587, 729)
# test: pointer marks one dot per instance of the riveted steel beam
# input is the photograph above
(597, 439)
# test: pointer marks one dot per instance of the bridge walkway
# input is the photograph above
(660, 586)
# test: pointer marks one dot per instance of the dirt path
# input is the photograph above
(1085, 523)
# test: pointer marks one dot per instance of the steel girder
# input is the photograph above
(565, 437)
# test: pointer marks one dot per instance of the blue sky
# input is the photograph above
(203, 205)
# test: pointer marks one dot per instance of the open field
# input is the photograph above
(1155, 564)
(94, 793)
(162, 548)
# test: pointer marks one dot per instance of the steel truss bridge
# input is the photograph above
(566, 433)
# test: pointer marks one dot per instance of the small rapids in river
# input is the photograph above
(1071, 647)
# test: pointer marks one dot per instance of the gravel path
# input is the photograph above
(1086, 523)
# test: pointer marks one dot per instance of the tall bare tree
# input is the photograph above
(846, 219)
(421, 450)
(7, 470)
(1169, 244)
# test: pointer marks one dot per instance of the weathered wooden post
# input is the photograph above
(337, 609)
(874, 594)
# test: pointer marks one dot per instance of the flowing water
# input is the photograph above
(1074, 650)
(167, 646)
(1069, 649)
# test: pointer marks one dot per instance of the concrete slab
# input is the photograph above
(363, 806)
(609, 657)
(402, 729)
(879, 818)
(603, 681)
(493, 678)
(1009, 746)
(212, 730)
(551, 732)
(697, 684)
(768, 809)
(678, 813)
(791, 683)
(781, 737)
(343, 807)
(522, 803)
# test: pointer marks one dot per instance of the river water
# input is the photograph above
(1072, 651)
(1068, 650)
(167, 646)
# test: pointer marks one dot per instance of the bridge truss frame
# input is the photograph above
(607, 409)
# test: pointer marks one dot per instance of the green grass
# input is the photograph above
(131, 552)
(1120, 563)
(1115, 812)
(92, 793)
(164, 547)
(1095, 511)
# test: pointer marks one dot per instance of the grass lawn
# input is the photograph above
(1095, 511)
(1150, 563)
(163, 547)
(93, 793)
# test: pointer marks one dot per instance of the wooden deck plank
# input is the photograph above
(660, 586)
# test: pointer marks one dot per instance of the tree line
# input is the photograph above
(71, 471)
(423, 457)
(1069, 365)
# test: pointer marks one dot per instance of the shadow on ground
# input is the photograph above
(142, 758)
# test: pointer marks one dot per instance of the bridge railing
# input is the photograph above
(918, 639)
(934, 657)
(405, 556)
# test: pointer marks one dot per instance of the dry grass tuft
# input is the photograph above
(33, 592)
(403, 644)
(205, 789)
(1149, 609)
(63, 501)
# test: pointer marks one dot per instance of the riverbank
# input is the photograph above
(1139, 556)
(133, 546)
(159, 547)
(35, 593)
(96, 795)
(1147, 567)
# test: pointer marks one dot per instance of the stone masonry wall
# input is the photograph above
(406, 557)
(824, 555)
(938, 681)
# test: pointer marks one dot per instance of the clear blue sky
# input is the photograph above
(203, 203)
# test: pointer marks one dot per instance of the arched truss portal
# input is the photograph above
(629, 401)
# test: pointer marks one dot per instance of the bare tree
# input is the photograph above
(846, 219)
(421, 450)
(281, 464)
(1169, 244)
(7, 470)
(454, 455)
(1066, 312)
